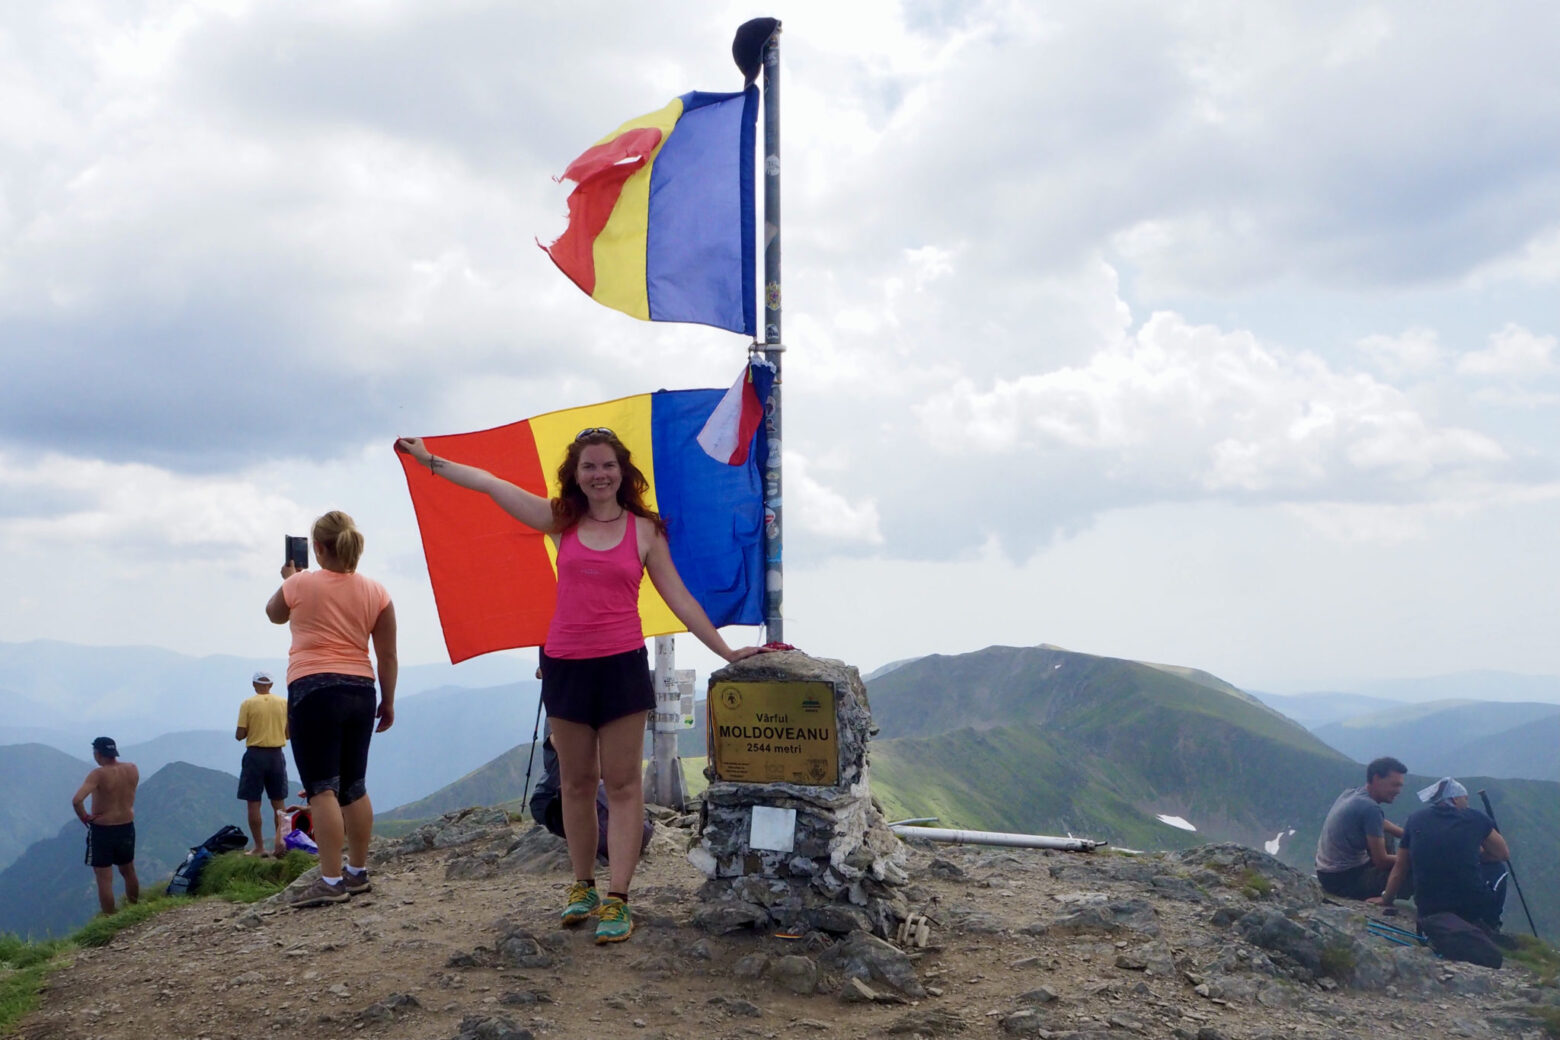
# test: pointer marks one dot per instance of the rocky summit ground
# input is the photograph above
(459, 940)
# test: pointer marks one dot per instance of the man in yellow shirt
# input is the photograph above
(262, 721)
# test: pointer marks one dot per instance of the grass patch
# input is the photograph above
(19, 989)
(101, 929)
(1255, 886)
(23, 967)
(1338, 962)
(1550, 1016)
(241, 878)
(1537, 956)
(17, 953)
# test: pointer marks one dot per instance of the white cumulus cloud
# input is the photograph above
(1512, 351)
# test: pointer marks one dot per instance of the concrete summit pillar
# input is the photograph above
(789, 836)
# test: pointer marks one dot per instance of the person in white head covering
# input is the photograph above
(1454, 853)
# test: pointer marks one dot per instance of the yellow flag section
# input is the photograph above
(619, 249)
(630, 419)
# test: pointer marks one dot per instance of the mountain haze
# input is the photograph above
(40, 781)
(1318, 709)
(64, 694)
(1514, 739)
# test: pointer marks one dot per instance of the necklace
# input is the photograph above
(611, 520)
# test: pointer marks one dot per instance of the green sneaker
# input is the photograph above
(583, 902)
(616, 923)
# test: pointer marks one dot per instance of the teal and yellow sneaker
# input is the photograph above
(615, 922)
(583, 903)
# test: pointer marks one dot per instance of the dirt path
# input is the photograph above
(421, 954)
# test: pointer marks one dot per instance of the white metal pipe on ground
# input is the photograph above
(1018, 841)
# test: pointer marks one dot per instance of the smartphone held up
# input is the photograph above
(298, 551)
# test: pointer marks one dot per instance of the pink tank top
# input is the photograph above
(598, 597)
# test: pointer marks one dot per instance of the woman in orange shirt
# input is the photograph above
(334, 612)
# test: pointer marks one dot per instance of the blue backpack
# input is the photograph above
(187, 877)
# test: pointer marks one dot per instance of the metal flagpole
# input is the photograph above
(774, 569)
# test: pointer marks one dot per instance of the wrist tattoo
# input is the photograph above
(435, 463)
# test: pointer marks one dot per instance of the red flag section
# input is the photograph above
(491, 575)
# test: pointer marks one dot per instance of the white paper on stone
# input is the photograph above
(772, 829)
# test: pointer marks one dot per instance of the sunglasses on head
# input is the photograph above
(587, 431)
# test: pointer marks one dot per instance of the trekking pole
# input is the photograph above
(1489, 810)
(531, 760)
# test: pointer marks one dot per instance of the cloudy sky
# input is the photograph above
(1206, 333)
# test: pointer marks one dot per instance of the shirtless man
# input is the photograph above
(111, 823)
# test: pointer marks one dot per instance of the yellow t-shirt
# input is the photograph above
(265, 716)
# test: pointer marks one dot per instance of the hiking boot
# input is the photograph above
(616, 923)
(583, 902)
(318, 894)
(356, 884)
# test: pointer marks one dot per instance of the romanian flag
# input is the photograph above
(661, 221)
(494, 579)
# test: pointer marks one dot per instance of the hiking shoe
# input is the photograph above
(616, 923)
(583, 902)
(356, 884)
(318, 894)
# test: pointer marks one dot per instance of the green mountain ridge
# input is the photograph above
(1050, 741)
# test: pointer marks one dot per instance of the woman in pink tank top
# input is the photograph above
(595, 669)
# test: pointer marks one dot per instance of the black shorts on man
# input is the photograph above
(1362, 882)
(330, 719)
(110, 844)
(594, 691)
(263, 772)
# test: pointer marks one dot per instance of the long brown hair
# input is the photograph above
(571, 505)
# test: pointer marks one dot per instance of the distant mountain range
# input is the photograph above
(49, 891)
(1039, 739)
(1318, 709)
(40, 781)
(1455, 738)
(64, 694)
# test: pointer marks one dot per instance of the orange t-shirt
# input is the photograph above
(331, 617)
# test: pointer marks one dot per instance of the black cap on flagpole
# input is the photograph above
(747, 47)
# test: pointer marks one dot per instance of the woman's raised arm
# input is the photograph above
(532, 510)
(663, 574)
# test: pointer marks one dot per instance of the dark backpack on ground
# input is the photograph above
(186, 879)
(1458, 939)
(228, 839)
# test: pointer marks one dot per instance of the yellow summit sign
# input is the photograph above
(769, 732)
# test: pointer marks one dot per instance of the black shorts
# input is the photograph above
(596, 690)
(110, 845)
(330, 726)
(263, 771)
(1361, 882)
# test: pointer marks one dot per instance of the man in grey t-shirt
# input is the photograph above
(1352, 860)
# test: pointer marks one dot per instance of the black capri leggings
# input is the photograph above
(331, 726)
